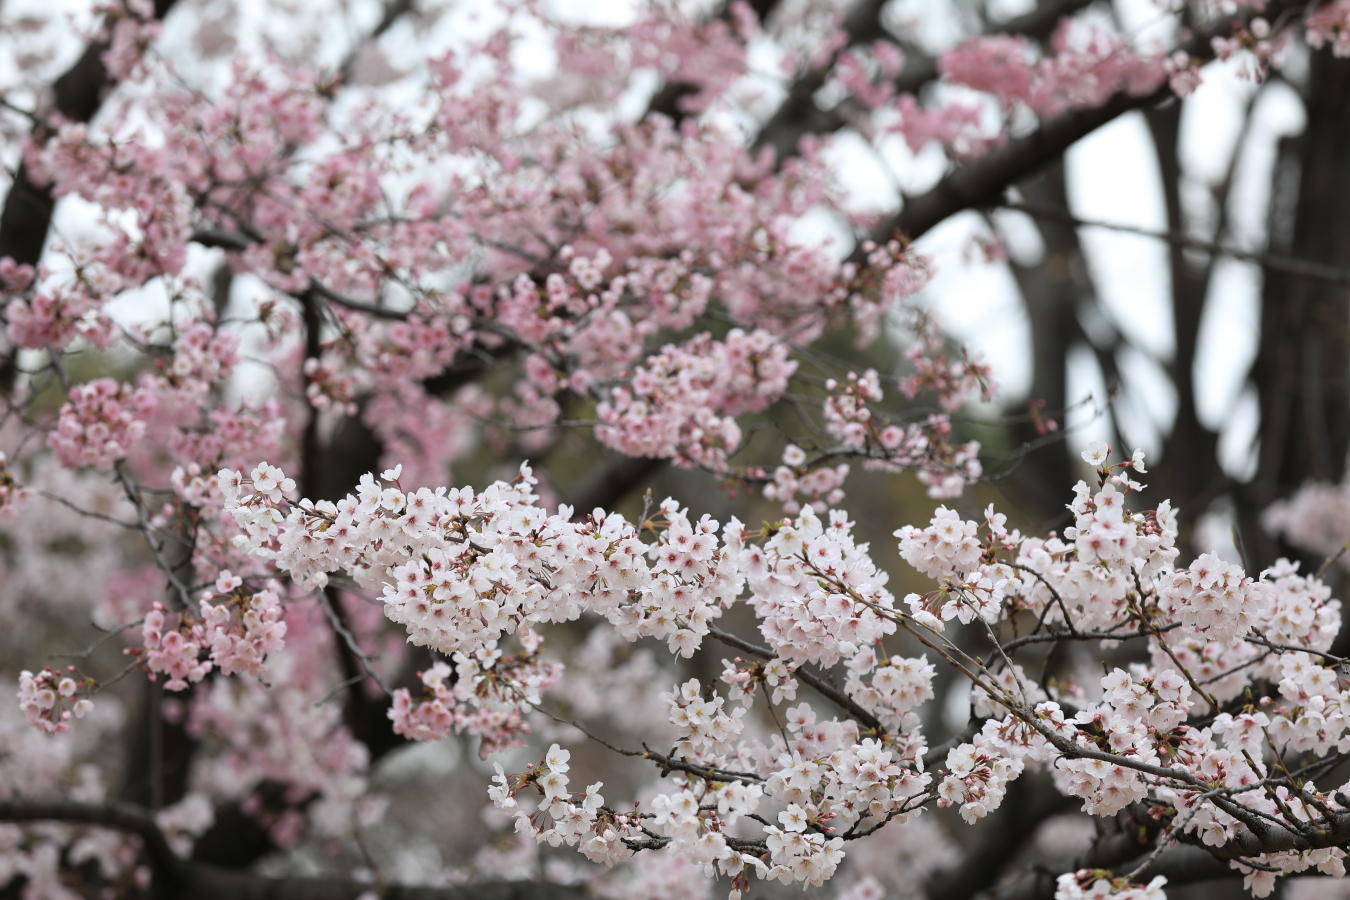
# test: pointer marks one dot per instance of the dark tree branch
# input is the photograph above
(1276, 262)
(982, 182)
(1183, 863)
(1053, 292)
(799, 115)
(159, 750)
(804, 675)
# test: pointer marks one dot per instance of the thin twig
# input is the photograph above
(824, 688)
(1289, 265)
(156, 546)
(350, 640)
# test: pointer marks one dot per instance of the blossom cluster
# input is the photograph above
(598, 833)
(173, 646)
(977, 777)
(242, 629)
(12, 493)
(57, 314)
(1316, 518)
(416, 279)
(486, 566)
(793, 481)
(486, 695)
(898, 686)
(462, 570)
(100, 423)
(51, 699)
(235, 632)
(683, 402)
(1096, 885)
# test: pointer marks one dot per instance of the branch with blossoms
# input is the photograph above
(660, 408)
(464, 572)
(471, 271)
(1114, 82)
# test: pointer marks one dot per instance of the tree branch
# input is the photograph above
(26, 216)
(1289, 265)
(1184, 863)
(799, 115)
(982, 182)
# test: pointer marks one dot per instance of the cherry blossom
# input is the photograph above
(297, 385)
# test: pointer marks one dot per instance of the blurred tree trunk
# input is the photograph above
(1301, 374)
(1302, 368)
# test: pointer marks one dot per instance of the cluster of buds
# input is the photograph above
(50, 699)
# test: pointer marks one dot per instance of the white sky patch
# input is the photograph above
(1230, 331)
(1148, 404)
(1113, 177)
(601, 13)
(1146, 23)
(914, 172)
(1278, 113)
(861, 173)
(917, 24)
(1211, 121)
(978, 303)
(1020, 237)
(1007, 9)
(821, 227)
(1237, 443)
(1086, 422)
